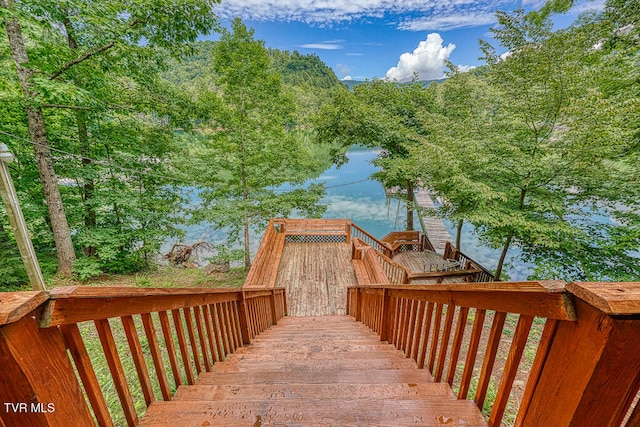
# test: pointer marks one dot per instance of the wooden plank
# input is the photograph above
(15, 305)
(444, 345)
(138, 358)
(87, 374)
(620, 299)
(195, 351)
(171, 349)
(490, 357)
(419, 326)
(598, 358)
(117, 371)
(436, 336)
(510, 369)
(216, 331)
(182, 343)
(528, 302)
(472, 353)
(457, 343)
(210, 337)
(197, 312)
(546, 339)
(35, 368)
(154, 347)
(74, 309)
(427, 327)
(435, 229)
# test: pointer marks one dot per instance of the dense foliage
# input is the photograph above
(121, 124)
(537, 149)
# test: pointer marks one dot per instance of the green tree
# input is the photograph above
(251, 151)
(46, 68)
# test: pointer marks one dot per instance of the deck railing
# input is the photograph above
(451, 252)
(52, 363)
(586, 369)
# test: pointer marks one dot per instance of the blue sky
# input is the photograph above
(366, 39)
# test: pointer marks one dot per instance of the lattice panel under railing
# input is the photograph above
(316, 239)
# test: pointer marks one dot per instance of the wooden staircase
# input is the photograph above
(315, 371)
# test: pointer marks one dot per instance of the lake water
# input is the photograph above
(351, 193)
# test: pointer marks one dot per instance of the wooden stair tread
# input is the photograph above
(315, 371)
(292, 412)
(240, 365)
(316, 391)
(334, 376)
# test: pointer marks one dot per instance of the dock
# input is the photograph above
(433, 226)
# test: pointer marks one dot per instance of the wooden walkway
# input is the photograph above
(434, 226)
(338, 372)
(316, 277)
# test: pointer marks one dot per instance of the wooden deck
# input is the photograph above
(434, 227)
(337, 373)
(415, 261)
(316, 277)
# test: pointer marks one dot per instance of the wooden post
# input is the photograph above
(358, 304)
(38, 385)
(18, 224)
(244, 320)
(591, 372)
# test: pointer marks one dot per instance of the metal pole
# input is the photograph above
(18, 224)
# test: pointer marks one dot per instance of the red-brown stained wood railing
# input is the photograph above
(428, 324)
(206, 326)
(483, 275)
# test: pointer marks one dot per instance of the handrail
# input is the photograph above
(187, 330)
(357, 232)
(590, 335)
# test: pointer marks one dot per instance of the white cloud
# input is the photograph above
(344, 70)
(321, 46)
(448, 22)
(465, 68)
(347, 78)
(436, 14)
(426, 61)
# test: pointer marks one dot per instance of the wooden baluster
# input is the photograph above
(192, 339)
(230, 331)
(457, 343)
(171, 349)
(490, 357)
(418, 331)
(182, 342)
(510, 368)
(236, 323)
(412, 328)
(425, 334)
(435, 337)
(210, 337)
(223, 329)
(398, 321)
(154, 347)
(138, 358)
(197, 312)
(117, 372)
(444, 345)
(472, 352)
(217, 332)
(90, 382)
(542, 352)
(407, 324)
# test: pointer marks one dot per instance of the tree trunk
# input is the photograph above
(59, 226)
(90, 218)
(410, 202)
(459, 233)
(503, 255)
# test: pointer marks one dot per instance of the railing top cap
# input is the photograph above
(15, 305)
(615, 298)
